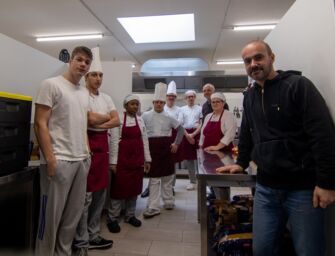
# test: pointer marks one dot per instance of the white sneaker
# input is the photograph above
(190, 186)
(149, 213)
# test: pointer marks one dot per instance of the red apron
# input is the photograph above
(177, 157)
(189, 151)
(213, 134)
(127, 182)
(162, 162)
(98, 177)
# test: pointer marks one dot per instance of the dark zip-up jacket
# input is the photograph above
(288, 132)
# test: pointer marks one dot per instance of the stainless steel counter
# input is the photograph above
(19, 193)
(25, 174)
(207, 176)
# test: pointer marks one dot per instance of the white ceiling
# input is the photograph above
(23, 20)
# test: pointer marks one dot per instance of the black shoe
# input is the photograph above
(113, 226)
(145, 193)
(134, 221)
(100, 243)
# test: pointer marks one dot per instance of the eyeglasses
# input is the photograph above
(216, 102)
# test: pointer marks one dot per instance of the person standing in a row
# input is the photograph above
(130, 159)
(288, 132)
(219, 127)
(159, 126)
(191, 121)
(102, 116)
(61, 130)
(207, 90)
(173, 111)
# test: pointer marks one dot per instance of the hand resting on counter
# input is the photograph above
(233, 168)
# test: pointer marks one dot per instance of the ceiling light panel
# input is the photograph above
(159, 29)
(64, 38)
(229, 62)
(255, 27)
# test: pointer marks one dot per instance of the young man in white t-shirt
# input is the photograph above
(61, 129)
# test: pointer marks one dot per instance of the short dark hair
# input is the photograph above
(82, 49)
(268, 48)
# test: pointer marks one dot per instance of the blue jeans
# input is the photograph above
(273, 208)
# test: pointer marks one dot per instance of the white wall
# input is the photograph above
(22, 68)
(305, 40)
(117, 81)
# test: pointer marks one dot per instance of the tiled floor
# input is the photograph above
(172, 233)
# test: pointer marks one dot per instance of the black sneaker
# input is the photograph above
(113, 226)
(134, 222)
(145, 193)
(100, 243)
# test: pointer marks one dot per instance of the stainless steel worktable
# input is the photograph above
(207, 176)
(19, 201)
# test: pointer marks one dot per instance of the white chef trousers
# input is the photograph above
(191, 165)
(160, 187)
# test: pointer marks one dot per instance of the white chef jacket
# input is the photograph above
(173, 112)
(190, 116)
(159, 124)
(228, 127)
(116, 133)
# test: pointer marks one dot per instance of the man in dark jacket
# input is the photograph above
(208, 90)
(288, 132)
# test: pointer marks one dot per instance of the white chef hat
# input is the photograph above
(96, 63)
(218, 95)
(172, 88)
(190, 92)
(130, 97)
(160, 92)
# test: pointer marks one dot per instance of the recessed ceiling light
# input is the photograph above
(159, 29)
(255, 27)
(229, 62)
(71, 37)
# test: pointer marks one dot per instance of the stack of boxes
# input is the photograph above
(15, 115)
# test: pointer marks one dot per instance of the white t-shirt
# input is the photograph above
(190, 116)
(68, 120)
(159, 124)
(116, 133)
(101, 104)
(228, 127)
(173, 112)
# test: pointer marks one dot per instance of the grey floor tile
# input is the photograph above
(155, 235)
(191, 237)
(160, 248)
(172, 233)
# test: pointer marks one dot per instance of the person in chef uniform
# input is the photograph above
(159, 125)
(219, 127)
(173, 111)
(130, 159)
(102, 116)
(191, 116)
